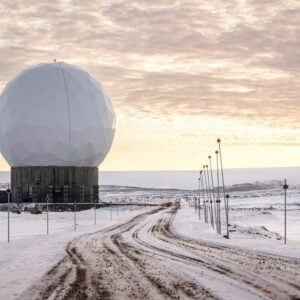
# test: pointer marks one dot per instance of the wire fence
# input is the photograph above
(24, 219)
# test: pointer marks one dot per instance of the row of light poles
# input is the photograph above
(210, 192)
(210, 195)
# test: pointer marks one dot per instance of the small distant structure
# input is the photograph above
(57, 125)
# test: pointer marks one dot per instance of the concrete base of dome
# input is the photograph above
(61, 184)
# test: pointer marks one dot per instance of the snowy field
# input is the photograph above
(166, 253)
(256, 223)
(260, 210)
(256, 219)
(250, 229)
(26, 225)
(31, 252)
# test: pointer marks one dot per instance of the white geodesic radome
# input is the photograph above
(55, 114)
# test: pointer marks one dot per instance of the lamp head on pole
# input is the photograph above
(217, 152)
(219, 140)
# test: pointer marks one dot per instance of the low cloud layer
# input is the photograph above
(231, 59)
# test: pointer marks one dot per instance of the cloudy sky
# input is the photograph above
(180, 73)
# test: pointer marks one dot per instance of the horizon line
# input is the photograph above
(191, 170)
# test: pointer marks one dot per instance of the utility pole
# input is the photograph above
(210, 200)
(207, 192)
(213, 190)
(203, 195)
(223, 186)
(218, 192)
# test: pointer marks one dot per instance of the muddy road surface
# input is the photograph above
(144, 259)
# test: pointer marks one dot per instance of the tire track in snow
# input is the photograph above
(278, 278)
(144, 259)
(94, 268)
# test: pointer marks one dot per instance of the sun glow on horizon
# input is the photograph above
(183, 142)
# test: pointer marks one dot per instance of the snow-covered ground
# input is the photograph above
(268, 212)
(28, 225)
(31, 252)
(256, 223)
(145, 259)
(249, 230)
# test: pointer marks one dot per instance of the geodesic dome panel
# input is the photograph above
(55, 115)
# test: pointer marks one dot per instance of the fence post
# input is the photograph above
(8, 215)
(47, 211)
(227, 213)
(199, 182)
(110, 211)
(75, 215)
(285, 187)
(95, 215)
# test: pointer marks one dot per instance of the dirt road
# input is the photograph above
(143, 259)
